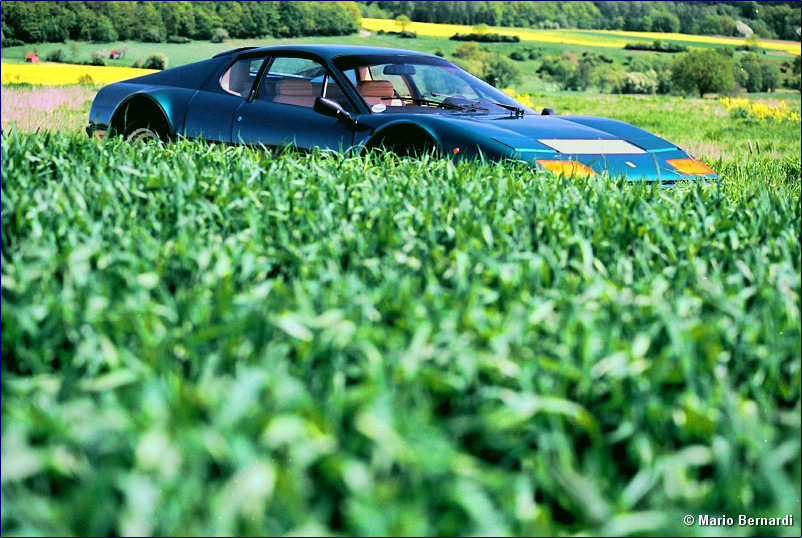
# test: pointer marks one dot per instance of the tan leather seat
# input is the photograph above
(237, 80)
(295, 91)
(374, 90)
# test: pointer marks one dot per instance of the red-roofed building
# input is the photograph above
(31, 57)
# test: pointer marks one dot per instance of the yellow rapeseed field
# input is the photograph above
(591, 38)
(53, 74)
(784, 46)
(447, 30)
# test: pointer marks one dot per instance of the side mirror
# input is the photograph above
(548, 112)
(332, 109)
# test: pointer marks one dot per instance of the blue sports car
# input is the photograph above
(359, 98)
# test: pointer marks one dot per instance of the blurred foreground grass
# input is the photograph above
(207, 340)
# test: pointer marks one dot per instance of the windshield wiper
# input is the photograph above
(516, 110)
(429, 102)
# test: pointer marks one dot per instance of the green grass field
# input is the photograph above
(219, 340)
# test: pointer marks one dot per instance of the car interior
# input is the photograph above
(301, 89)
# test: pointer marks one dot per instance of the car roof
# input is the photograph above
(328, 52)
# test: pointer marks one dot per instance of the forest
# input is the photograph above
(155, 22)
(38, 22)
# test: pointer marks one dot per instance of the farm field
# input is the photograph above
(56, 74)
(201, 339)
(588, 38)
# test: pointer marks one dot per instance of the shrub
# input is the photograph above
(12, 42)
(658, 46)
(137, 63)
(86, 78)
(518, 56)
(500, 72)
(406, 34)
(220, 35)
(178, 39)
(57, 55)
(151, 35)
(467, 51)
(486, 38)
(640, 82)
(155, 61)
(97, 58)
(439, 52)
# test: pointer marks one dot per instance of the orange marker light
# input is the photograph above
(691, 167)
(567, 168)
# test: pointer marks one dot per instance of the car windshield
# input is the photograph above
(422, 84)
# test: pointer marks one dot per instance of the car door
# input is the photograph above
(280, 112)
(212, 109)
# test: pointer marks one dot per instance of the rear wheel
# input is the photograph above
(140, 132)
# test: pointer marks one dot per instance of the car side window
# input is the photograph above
(239, 78)
(298, 82)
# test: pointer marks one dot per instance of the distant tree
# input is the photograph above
(402, 21)
(500, 72)
(608, 78)
(703, 70)
(103, 31)
(151, 35)
(754, 76)
(770, 77)
(560, 70)
(480, 28)
(663, 21)
(719, 25)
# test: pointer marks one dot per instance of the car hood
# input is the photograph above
(604, 144)
(524, 133)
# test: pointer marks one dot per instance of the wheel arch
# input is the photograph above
(402, 131)
(144, 106)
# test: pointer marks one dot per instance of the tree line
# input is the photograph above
(38, 22)
(779, 20)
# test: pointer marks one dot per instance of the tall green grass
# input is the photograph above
(200, 339)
